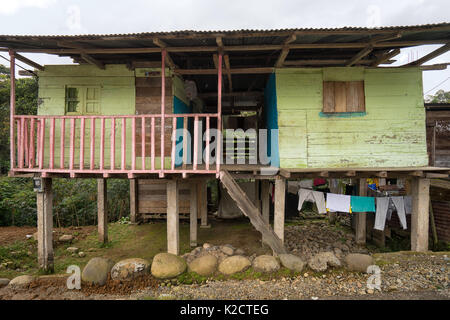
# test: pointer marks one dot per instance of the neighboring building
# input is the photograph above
(338, 114)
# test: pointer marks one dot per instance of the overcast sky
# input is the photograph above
(52, 17)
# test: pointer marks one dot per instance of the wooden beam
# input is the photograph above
(431, 55)
(279, 208)
(193, 211)
(158, 42)
(29, 62)
(420, 214)
(285, 50)
(361, 54)
(417, 173)
(385, 57)
(262, 70)
(360, 217)
(248, 208)
(134, 200)
(347, 45)
(438, 183)
(228, 72)
(83, 54)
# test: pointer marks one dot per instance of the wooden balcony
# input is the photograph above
(114, 145)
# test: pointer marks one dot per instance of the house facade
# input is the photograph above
(156, 106)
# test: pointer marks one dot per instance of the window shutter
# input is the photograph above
(343, 96)
(328, 97)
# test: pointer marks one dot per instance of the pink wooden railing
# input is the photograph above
(35, 151)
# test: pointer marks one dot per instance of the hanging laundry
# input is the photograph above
(306, 184)
(319, 182)
(311, 196)
(338, 202)
(383, 208)
(362, 204)
(408, 204)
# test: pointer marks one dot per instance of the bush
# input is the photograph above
(74, 201)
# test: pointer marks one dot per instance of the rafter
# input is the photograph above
(83, 54)
(385, 57)
(158, 42)
(29, 62)
(367, 50)
(285, 51)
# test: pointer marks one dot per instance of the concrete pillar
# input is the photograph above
(173, 221)
(420, 189)
(280, 194)
(360, 217)
(202, 203)
(102, 211)
(45, 225)
(133, 200)
(193, 216)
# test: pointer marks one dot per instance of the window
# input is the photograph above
(82, 100)
(343, 96)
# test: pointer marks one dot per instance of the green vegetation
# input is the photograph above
(74, 202)
(440, 96)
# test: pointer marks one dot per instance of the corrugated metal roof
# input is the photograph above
(182, 33)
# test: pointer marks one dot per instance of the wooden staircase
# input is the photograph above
(249, 209)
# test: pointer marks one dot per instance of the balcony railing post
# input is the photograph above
(82, 131)
(143, 142)
(92, 148)
(219, 115)
(62, 143)
(124, 144)
(163, 107)
(31, 149)
(52, 143)
(12, 69)
(133, 143)
(113, 143)
(102, 144)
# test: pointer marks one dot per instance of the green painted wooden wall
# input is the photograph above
(390, 134)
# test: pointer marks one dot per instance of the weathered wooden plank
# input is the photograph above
(329, 104)
(249, 209)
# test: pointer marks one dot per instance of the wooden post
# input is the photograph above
(265, 204)
(193, 215)
(12, 69)
(133, 200)
(45, 225)
(360, 217)
(173, 223)
(280, 194)
(102, 210)
(203, 203)
(420, 188)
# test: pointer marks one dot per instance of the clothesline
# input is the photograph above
(351, 204)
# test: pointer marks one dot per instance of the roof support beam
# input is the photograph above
(285, 51)
(232, 71)
(29, 62)
(385, 57)
(349, 45)
(431, 55)
(158, 42)
(82, 51)
(221, 49)
(367, 50)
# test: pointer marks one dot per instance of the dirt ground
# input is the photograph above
(406, 275)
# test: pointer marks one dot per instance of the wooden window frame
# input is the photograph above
(82, 98)
(343, 97)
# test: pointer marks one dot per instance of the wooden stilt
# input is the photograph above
(265, 204)
(280, 193)
(133, 200)
(45, 225)
(203, 203)
(360, 217)
(173, 222)
(420, 188)
(102, 210)
(193, 216)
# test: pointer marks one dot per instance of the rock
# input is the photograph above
(206, 246)
(234, 264)
(81, 254)
(3, 282)
(167, 265)
(239, 252)
(292, 262)
(321, 261)
(96, 271)
(266, 263)
(66, 238)
(228, 250)
(204, 266)
(21, 281)
(358, 262)
(72, 249)
(129, 269)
